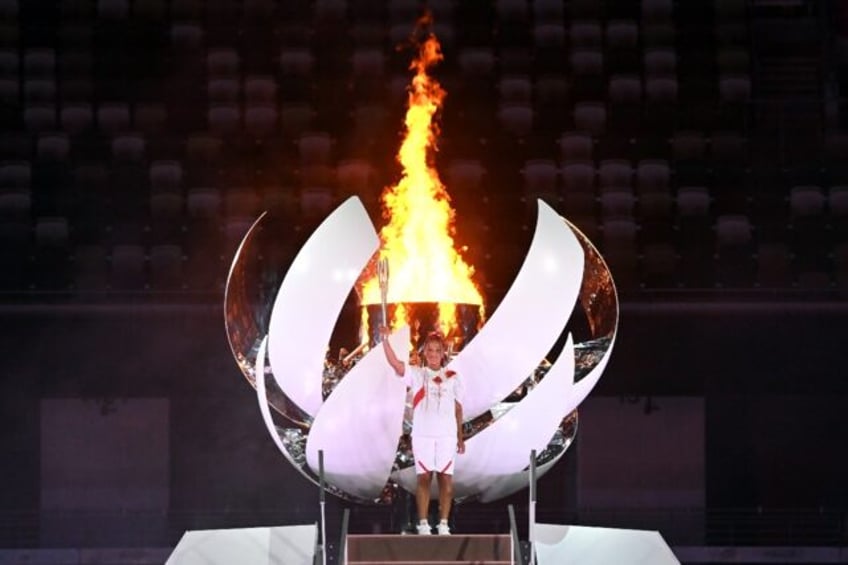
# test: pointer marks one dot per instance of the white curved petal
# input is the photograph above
(359, 425)
(495, 487)
(504, 447)
(311, 297)
(528, 320)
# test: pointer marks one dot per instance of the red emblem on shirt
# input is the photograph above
(437, 379)
(449, 374)
(419, 396)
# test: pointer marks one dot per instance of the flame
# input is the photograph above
(424, 264)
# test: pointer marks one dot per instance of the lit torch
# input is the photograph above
(383, 277)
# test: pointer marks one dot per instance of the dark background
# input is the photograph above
(140, 138)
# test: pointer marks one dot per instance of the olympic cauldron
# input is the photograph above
(281, 317)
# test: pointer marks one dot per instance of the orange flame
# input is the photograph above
(418, 239)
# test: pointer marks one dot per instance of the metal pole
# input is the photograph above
(531, 511)
(514, 542)
(343, 541)
(321, 503)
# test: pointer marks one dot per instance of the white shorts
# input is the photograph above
(434, 454)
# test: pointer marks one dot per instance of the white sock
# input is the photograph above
(423, 523)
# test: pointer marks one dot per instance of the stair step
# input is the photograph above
(432, 550)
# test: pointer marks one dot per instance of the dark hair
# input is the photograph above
(438, 337)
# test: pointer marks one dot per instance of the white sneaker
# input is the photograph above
(443, 529)
(424, 529)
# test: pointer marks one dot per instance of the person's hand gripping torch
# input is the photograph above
(383, 279)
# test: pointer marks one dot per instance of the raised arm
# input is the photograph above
(396, 363)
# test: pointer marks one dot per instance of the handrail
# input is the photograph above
(317, 551)
(321, 552)
(515, 554)
(342, 557)
(531, 509)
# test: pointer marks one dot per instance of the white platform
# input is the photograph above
(583, 545)
(286, 545)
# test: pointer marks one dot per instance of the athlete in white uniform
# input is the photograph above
(436, 425)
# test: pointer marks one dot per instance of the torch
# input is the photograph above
(383, 278)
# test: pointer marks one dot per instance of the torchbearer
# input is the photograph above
(436, 425)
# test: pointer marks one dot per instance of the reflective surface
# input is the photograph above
(367, 451)
(252, 282)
